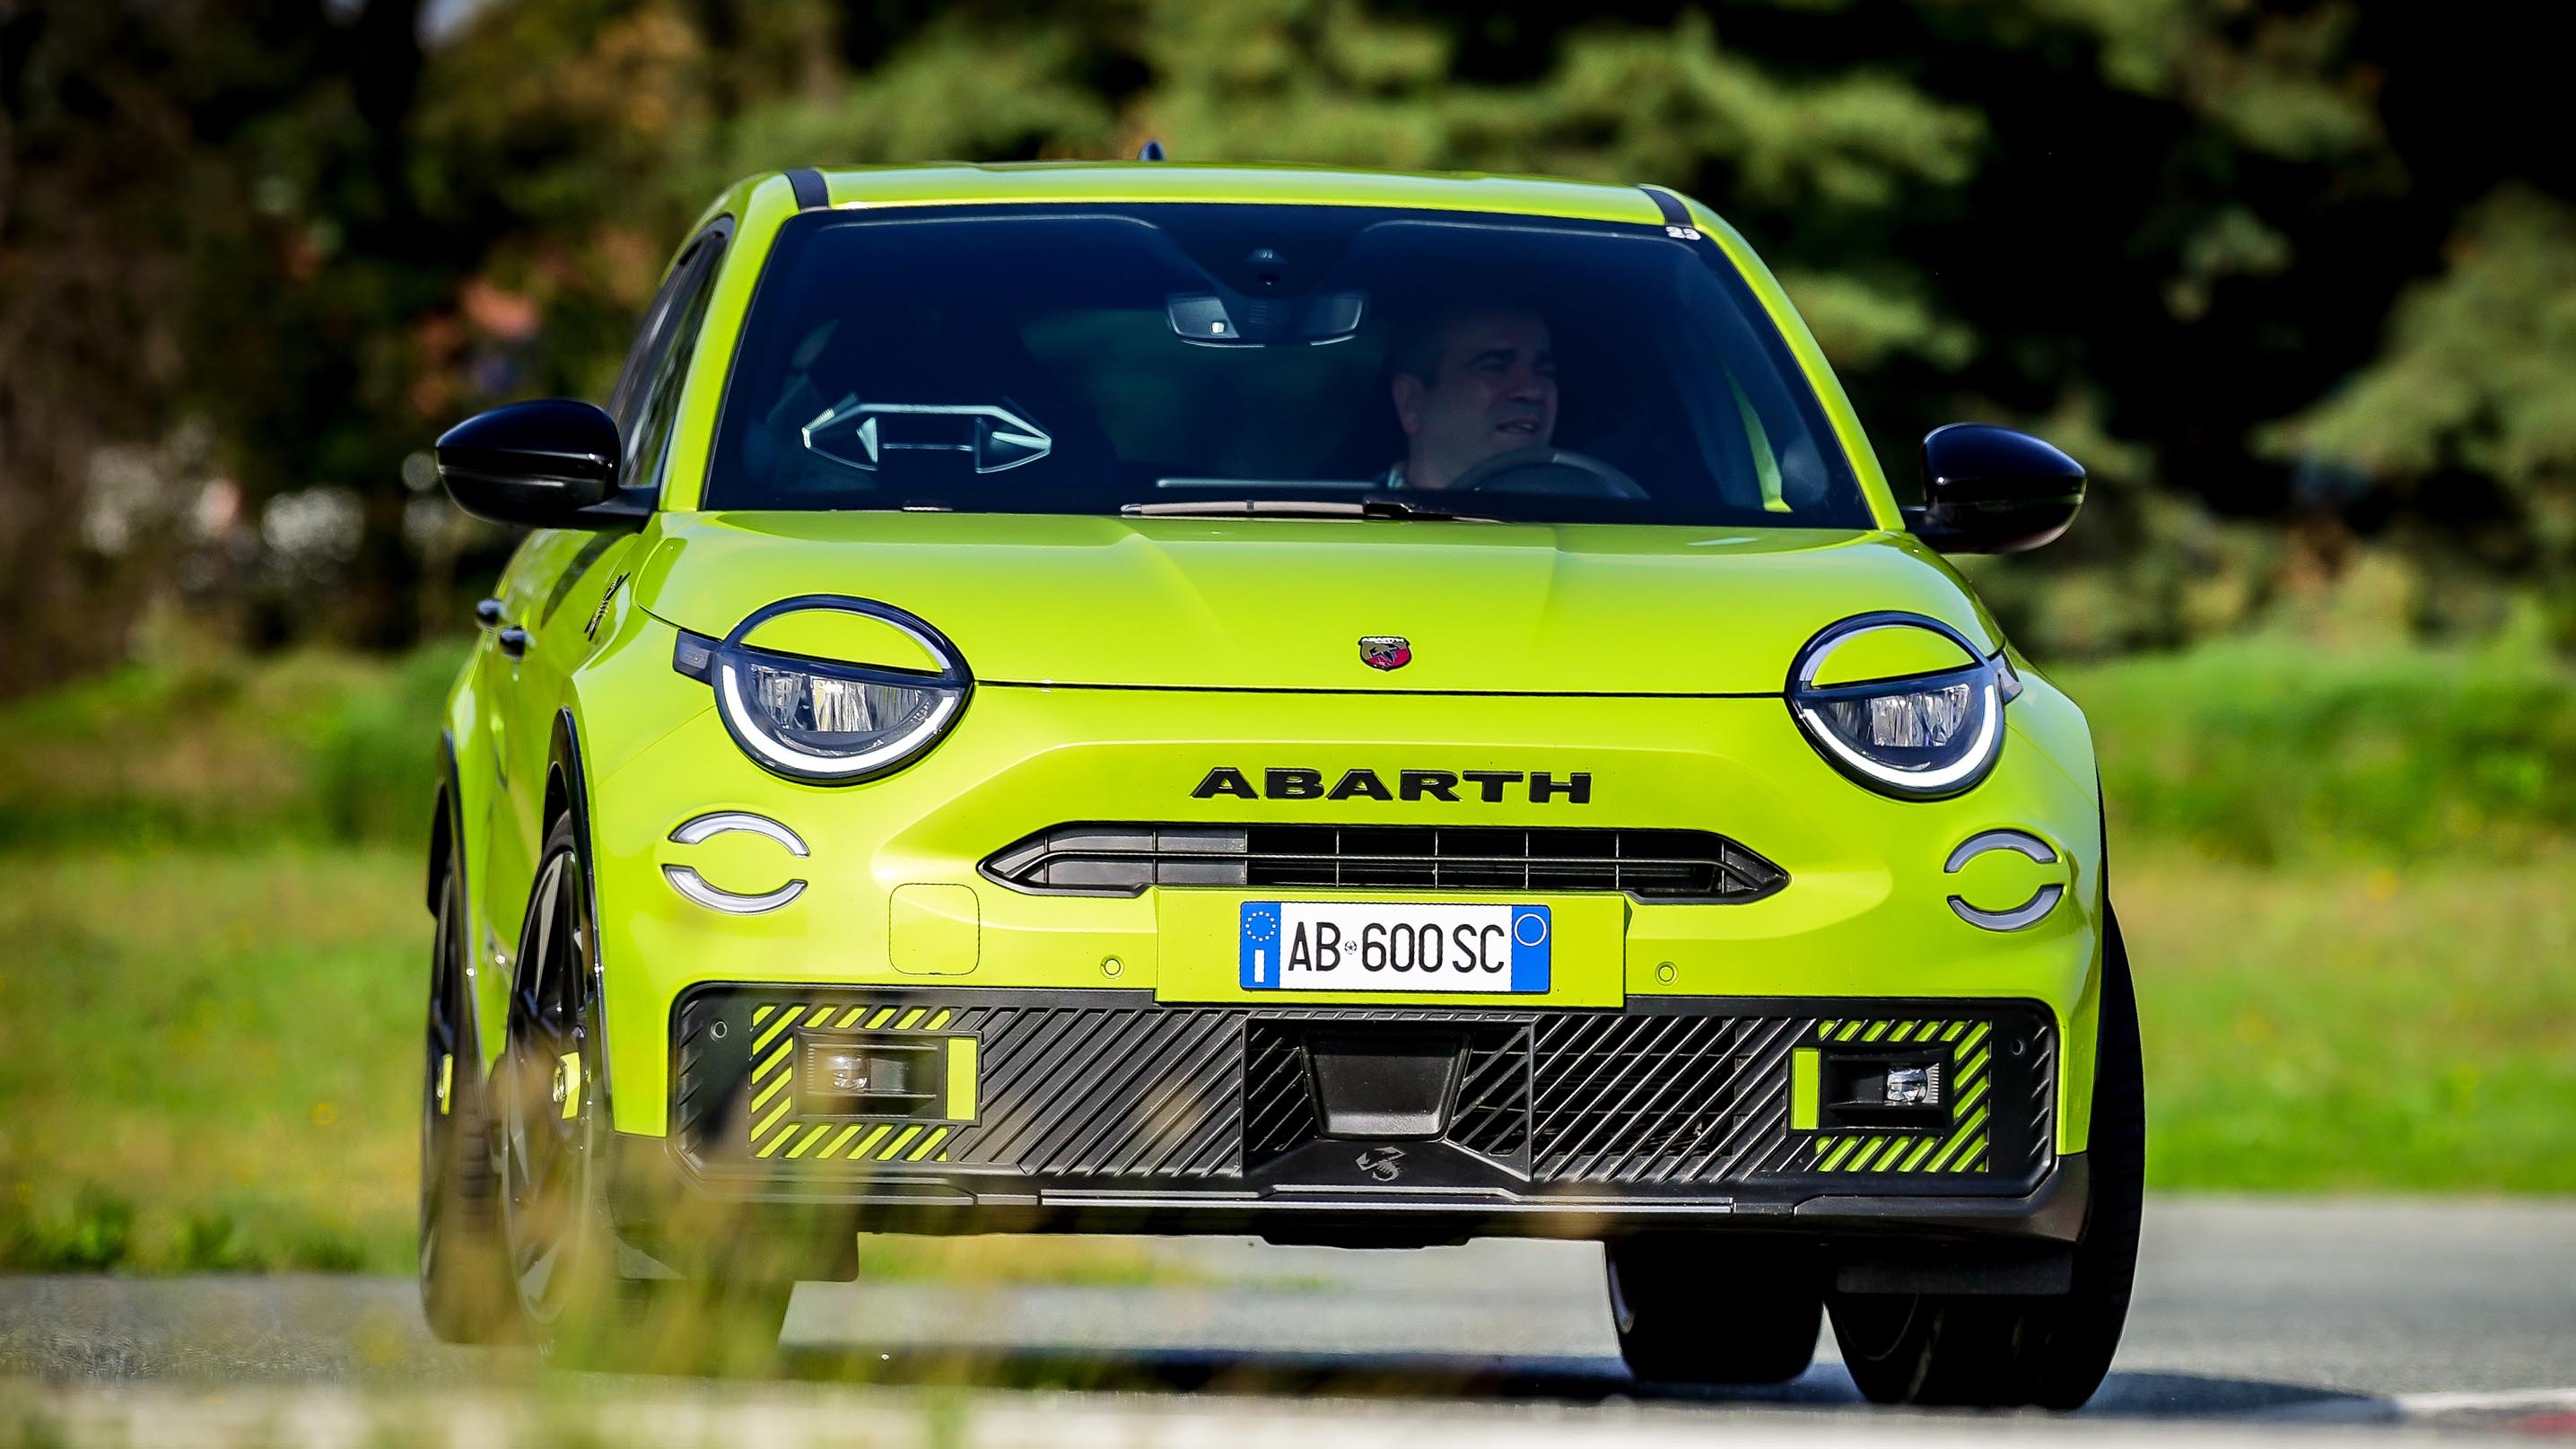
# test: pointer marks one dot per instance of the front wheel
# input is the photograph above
(589, 1297)
(1693, 1311)
(463, 1291)
(2000, 1351)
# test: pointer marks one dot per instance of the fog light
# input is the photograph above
(875, 1077)
(1914, 1086)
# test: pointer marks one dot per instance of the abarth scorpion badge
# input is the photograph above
(1385, 1164)
(1386, 651)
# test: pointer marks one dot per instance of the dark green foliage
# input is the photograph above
(267, 247)
(95, 1234)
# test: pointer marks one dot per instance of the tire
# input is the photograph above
(566, 1265)
(463, 1291)
(2003, 1351)
(1692, 1310)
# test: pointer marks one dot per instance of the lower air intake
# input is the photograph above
(1111, 1089)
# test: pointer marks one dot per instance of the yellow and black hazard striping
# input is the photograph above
(1962, 1145)
(779, 1129)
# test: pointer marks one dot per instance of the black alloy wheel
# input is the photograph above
(553, 1223)
(463, 1292)
(564, 1253)
(1997, 1351)
(1703, 1310)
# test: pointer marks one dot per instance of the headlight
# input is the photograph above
(814, 719)
(1921, 736)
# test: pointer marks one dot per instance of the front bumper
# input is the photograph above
(1105, 1111)
(895, 897)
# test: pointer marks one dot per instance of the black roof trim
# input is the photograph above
(807, 183)
(1675, 214)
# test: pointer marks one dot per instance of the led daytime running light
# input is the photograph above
(751, 685)
(1912, 709)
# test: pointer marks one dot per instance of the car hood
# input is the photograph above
(1278, 603)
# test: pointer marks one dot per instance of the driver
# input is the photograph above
(1471, 381)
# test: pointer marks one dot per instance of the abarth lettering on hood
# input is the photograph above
(1574, 787)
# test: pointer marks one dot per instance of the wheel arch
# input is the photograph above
(448, 850)
(568, 793)
(446, 823)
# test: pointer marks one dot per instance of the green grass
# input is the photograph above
(224, 751)
(2274, 751)
(2389, 1028)
(207, 1059)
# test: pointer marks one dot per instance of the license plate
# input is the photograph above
(1394, 946)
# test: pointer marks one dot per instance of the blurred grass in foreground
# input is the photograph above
(2344, 877)
(209, 1059)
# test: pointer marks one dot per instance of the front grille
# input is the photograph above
(1124, 859)
(1109, 1089)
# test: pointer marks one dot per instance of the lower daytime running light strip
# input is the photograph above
(2030, 912)
(686, 880)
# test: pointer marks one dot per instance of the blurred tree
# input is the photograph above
(255, 253)
(2471, 409)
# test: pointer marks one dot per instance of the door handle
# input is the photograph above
(513, 641)
(488, 613)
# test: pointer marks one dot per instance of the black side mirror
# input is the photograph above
(551, 463)
(1992, 490)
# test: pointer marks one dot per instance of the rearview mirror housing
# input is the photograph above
(551, 463)
(1992, 490)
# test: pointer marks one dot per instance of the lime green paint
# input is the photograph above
(933, 931)
(761, 1042)
(1651, 659)
(1892, 652)
(1865, 916)
(1060, 183)
(837, 634)
(1766, 464)
(1574, 608)
(961, 1077)
(1804, 1069)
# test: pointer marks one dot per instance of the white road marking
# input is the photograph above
(2498, 1401)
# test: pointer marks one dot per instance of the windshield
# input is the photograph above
(1268, 360)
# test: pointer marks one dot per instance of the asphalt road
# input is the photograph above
(2253, 1319)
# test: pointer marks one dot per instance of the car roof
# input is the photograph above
(1041, 182)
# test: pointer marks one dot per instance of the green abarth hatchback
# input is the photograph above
(1356, 709)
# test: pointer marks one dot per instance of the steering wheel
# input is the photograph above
(1558, 471)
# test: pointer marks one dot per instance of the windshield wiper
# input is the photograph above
(1296, 508)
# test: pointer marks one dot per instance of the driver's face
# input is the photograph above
(1493, 392)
